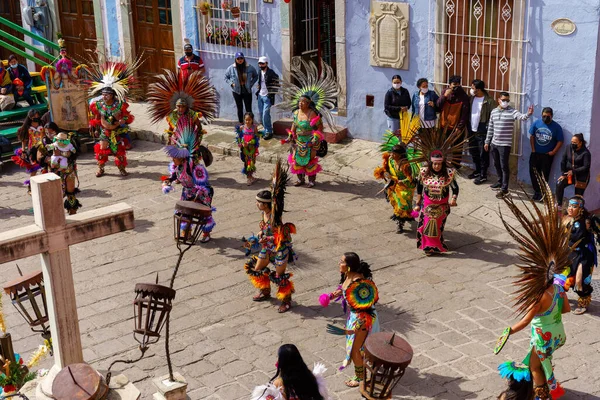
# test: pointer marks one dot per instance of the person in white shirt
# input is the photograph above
(268, 82)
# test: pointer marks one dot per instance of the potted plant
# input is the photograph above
(205, 8)
(226, 4)
(235, 12)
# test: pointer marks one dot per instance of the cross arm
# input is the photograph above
(94, 224)
(22, 242)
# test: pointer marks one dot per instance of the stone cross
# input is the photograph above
(51, 237)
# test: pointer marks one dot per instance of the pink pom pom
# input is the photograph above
(324, 299)
(414, 214)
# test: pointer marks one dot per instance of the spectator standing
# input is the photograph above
(454, 105)
(19, 71)
(7, 100)
(190, 62)
(546, 138)
(268, 82)
(241, 76)
(500, 136)
(424, 104)
(397, 99)
(575, 167)
(482, 105)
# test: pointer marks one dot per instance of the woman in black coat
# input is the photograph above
(575, 168)
(397, 99)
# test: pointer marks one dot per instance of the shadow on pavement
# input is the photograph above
(425, 384)
(574, 394)
(142, 225)
(9, 212)
(94, 193)
(467, 246)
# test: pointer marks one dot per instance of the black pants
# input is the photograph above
(501, 156)
(481, 158)
(542, 163)
(241, 101)
(560, 190)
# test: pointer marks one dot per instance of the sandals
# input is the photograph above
(261, 297)
(284, 307)
(250, 181)
(100, 172)
(310, 184)
(123, 172)
(579, 310)
(299, 183)
(205, 239)
(354, 382)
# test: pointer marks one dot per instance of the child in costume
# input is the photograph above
(583, 227)
(32, 152)
(544, 251)
(192, 176)
(61, 149)
(311, 102)
(248, 141)
(359, 296)
(437, 189)
(293, 380)
(276, 241)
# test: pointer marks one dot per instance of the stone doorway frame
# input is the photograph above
(287, 40)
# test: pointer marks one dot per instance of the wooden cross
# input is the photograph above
(51, 237)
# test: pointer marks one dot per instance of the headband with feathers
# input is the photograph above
(321, 88)
(436, 142)
(115, 75)
(543, 246)
(171, 87)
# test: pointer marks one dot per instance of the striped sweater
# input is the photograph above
(502, 126)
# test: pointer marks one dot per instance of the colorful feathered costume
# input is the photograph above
(544, 250)
(187, 171)
(276, 241)
(248, 141)
(109, 114)
(190, 96)
(400, 177)
(434, 145)
(306, 137)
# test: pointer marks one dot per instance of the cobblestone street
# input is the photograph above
(450, 308)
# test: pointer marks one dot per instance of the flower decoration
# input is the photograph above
(200, 174)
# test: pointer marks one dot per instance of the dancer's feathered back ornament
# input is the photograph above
(116, 75)
(278, 187)
(409, 126)
(543, 246)
(169, 87)
(436, 140)
(185, 140)
(322, 88)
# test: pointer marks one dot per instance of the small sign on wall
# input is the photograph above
(563, 26)
(389, 34)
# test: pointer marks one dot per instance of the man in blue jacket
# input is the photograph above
(241, 76)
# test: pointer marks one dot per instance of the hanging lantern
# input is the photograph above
(151, 309)
(188, 221)
(79, 381)
(386, 359)
(28, 296)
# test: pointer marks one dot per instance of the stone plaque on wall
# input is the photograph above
(389, 34)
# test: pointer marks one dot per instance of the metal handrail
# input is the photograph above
(20, 52)
(12, 38)
(32, 35)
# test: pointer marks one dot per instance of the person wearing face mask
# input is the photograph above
(482, 105)
(18, 71)
(454, 106)
(424, 104)
(7, 100)
(546, 138)
(501, 129)
(268, 83)
(575, 168)
(397, 99)
(190, 62)
(241, 76)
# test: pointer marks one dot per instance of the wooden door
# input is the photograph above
(327, 32)
(78, 27)
(314, 30)
(153, 30)
(11, 10)
(479, 43)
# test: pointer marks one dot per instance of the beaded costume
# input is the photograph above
(544, 251)
(306, 141)
(248, 141)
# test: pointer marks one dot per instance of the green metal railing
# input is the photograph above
(19, 42)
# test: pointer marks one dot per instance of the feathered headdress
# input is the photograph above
(322, 88)
(436, 143)
(194, 89)
(543, 247)
(278, 186)
(184, 139)
(115, 75)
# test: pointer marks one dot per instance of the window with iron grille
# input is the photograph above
(228, 26)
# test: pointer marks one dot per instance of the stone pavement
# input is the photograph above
(450, 308)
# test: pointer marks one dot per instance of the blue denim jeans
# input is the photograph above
(264, 110)
(393, 124)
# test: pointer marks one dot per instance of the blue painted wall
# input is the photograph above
(114, 27)
(269, 30)
(562, 72)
